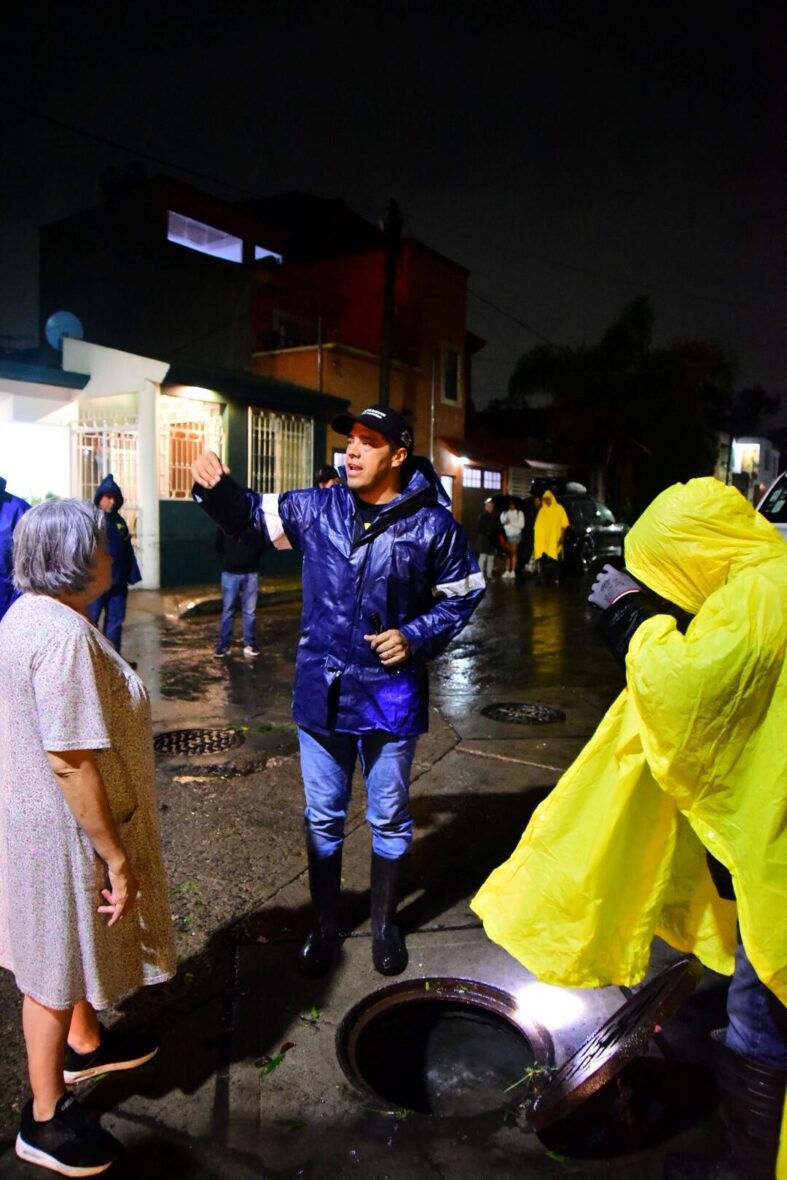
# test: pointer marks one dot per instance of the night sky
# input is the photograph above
(571, 155)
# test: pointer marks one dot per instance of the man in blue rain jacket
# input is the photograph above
(125, 571)
(388, 580)
(11, 509)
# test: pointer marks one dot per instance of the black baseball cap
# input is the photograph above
(381, 418)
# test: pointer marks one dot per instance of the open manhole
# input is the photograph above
(523, 713)
(197, 741)
(444, 1047)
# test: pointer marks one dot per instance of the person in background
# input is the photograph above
(672, 822)
(488, 532)
(549, 531)
(388, 580)
(327, 477)
(84, 900)
(530, 509)
(11, 509)
(240, 584)
(125, 571)
(513, 522)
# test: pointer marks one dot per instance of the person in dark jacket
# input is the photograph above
(388, 580)
(125, 571)
(11, 509)
(240, 583)
(488, 537)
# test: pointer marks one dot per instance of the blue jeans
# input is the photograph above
(234, 587)
(113, 603)
(757, 1019)
(327, 765)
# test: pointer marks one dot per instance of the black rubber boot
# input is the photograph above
(752, 1100)
(389, 954)
(316, 956)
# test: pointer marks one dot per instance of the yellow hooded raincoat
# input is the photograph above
(691, 756)
(551, 522)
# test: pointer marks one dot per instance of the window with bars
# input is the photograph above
(99, 450)
(186, 429)
(281, 451)
(471, 477)
(493, 480)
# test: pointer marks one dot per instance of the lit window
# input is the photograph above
(187, 429)
(206, 239)
(493, 480)
(472, 477)
(450, 375)
(281, 452)
(261, 252)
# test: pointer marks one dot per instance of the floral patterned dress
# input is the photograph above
(63, 687)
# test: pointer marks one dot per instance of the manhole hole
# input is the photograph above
(197, 741)
(523, 713)
(444, 1047)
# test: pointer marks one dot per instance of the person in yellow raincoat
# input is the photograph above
(550, 528)
(683, 784)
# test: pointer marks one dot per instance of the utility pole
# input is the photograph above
(392, 232)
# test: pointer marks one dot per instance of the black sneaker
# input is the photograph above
(220, 652)
(116, 1051)
(68, 1143)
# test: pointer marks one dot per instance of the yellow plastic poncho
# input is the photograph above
(691, 756)
(551, 522)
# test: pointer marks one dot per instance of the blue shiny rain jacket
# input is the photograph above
(11, 509)
(412, 570)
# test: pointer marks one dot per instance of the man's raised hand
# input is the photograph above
(208, 469)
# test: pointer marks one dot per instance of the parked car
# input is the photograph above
(593, 537)
(773, 505)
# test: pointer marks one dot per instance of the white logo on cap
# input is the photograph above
(373, 414)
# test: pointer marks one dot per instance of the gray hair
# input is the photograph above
(55, 546)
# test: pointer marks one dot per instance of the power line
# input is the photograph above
(514, 319)
(124, 147)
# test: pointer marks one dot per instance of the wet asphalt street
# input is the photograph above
(248, 1082)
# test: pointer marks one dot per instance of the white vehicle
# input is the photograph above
(773, 505)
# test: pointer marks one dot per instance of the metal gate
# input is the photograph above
(99, 450)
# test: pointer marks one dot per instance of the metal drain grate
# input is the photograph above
(197, 741)
(523, 713)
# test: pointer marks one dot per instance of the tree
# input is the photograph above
(635, 418)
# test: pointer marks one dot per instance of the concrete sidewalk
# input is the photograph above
(248, 1082)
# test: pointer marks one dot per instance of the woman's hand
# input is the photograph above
(122, 892)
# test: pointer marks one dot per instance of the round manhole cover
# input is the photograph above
(197, 741)
(524, 713)
(624, 1035)
(450, 1048)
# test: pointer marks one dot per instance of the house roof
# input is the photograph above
(41, 375)
(316, 227)
(257, 390)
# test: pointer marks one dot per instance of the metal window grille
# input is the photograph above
(99, 450)
(493, 480)
(472, 477)
(281, 451)
(187, 428)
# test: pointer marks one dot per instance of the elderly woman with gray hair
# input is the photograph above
(84, 914)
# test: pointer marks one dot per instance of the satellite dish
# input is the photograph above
(60, 324)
